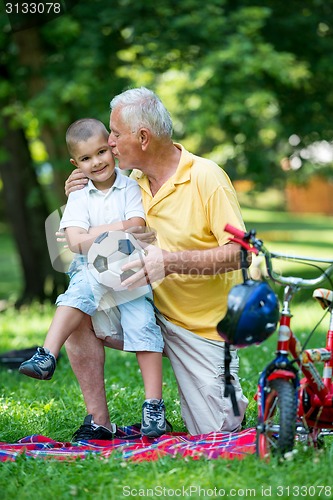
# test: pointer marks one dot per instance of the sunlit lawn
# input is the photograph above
(55, 408)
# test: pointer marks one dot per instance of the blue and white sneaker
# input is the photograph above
(41, 365)
(153, 418)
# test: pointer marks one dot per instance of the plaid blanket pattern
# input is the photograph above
(129, 445)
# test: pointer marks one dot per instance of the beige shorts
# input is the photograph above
(198, 364)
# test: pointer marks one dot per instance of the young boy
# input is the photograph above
(109, 202)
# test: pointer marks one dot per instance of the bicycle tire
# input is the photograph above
(276, 434)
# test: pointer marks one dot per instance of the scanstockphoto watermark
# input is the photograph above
(188, 492)
(293, 491)
(28, 14)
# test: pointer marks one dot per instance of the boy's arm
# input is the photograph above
(79, 240)
(117, 226)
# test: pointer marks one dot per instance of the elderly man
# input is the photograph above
(187, 201)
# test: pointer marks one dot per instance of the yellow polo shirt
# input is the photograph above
(189, 212)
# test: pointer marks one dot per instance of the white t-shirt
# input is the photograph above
(89, 207)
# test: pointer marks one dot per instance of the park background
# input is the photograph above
(248, 85)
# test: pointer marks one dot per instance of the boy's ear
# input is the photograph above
(73, 162)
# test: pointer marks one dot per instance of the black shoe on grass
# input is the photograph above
(91, 431)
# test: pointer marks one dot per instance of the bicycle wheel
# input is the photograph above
(276, 435)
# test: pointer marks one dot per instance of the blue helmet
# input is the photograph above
(252, 314)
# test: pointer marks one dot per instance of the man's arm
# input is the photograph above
(159, 263)
(221, 259)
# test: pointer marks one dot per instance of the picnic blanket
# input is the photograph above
(128, 444)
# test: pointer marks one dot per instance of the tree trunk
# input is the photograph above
(27, 211)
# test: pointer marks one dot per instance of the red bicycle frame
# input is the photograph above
(309, 400)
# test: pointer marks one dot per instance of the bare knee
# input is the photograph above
(80, 337)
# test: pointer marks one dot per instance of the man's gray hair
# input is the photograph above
(141, 107)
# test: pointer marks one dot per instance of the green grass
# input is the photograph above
(55, 408)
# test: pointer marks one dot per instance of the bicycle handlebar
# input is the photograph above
(251, 243)
(236, 232)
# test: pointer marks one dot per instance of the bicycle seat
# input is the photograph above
(324, 297)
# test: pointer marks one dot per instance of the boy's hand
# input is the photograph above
(75, 181)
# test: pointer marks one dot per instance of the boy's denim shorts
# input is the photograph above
(81, 292)
(122, 315)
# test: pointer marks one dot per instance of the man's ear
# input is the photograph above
(73, 162)
(144, 137)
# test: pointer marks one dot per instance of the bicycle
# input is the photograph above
(287, 406)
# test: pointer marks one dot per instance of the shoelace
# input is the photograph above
(153, 412)
(41, 357)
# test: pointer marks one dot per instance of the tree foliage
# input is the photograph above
(239, 77)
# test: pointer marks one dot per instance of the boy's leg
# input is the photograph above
(66, 320)
(143, 336)
(153, 422)
(150, 364)
(81, 298)
(43, 364)
(73, 304)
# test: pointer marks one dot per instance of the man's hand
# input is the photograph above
(61, 238)
(151, 268)
(143, 234)
(75, 181)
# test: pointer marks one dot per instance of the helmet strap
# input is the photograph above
(244, 264)
(229, 390)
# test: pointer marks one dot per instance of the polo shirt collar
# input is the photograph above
(119, 183)
(182, 174)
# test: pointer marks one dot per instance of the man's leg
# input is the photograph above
(198, 365)
(86, 355)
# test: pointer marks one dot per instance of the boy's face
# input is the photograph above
(95, 159)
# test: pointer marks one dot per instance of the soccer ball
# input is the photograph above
(109, 253)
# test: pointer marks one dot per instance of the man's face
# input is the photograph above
(124, 142)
